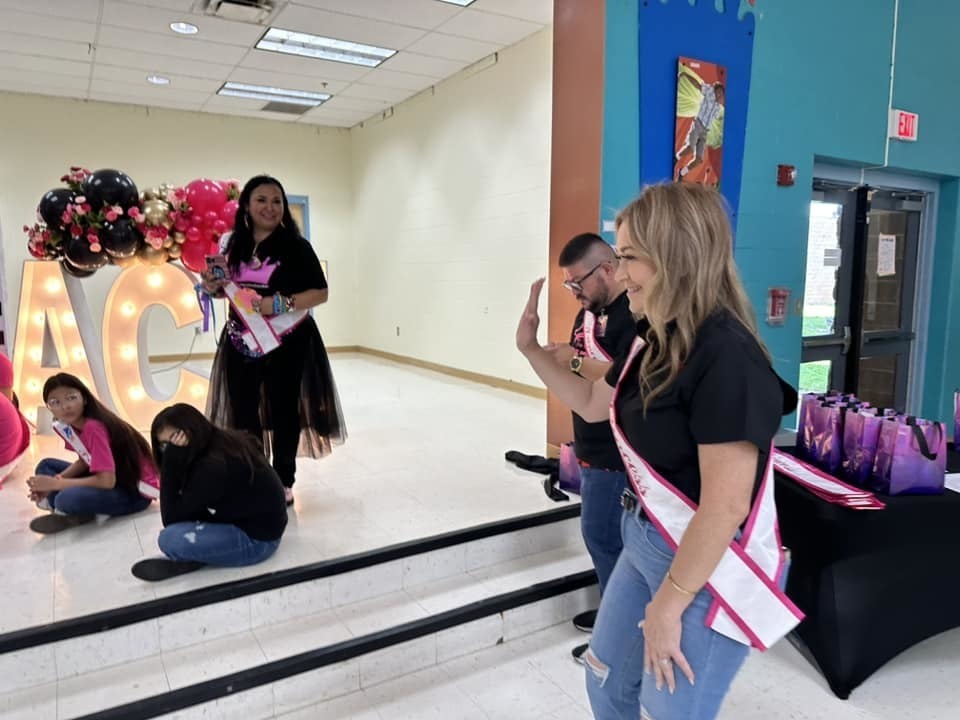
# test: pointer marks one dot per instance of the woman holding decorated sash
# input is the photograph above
(271, 376)
(694, 408)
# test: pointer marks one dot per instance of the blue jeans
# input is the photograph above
(616, 683)
(89, 500)
(600, 511)
(214, 544)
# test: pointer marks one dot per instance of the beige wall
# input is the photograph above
(41, 136)
(451, 199)
(434, 220)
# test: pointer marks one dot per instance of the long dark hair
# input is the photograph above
(127, 446)
(206, 439)
(241, 240)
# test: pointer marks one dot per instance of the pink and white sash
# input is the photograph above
(263, 333)
(69, 435)
(748, 606)
(590, 343)
(825, 486)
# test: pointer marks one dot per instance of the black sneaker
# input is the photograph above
(57, 522)
(155, 569)
(578, 652)
(585, 620)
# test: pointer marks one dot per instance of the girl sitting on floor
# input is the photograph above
(221, 502)
(114, 473)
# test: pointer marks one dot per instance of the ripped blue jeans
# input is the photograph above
(616, 684)
(214, 544)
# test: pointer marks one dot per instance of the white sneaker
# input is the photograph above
(44, 504)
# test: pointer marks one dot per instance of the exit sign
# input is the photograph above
(903, 125)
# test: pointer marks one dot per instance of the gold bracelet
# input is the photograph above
(677, 586)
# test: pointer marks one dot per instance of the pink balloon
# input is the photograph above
(193, 234)
(193, 256)
(210, 217)
(205, 196)
(220, 227)
(229, 212)
(181, 224)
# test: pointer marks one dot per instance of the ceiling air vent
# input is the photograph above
(246, 11)
(288, 108)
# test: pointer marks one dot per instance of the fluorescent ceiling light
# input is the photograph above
(272, 94)
(184, 28)
(322, 48)
(158, 80)
(461, 3)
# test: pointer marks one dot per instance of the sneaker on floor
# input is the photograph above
(57, 522)
(156, 569)
(44, 504)
(578, 652)
(288, 495)
(585, 620)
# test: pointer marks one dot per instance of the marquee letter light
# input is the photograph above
(125, 323)
(54, 334)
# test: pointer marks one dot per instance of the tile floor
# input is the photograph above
(424, 456)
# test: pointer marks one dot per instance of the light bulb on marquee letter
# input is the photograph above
(125, 320)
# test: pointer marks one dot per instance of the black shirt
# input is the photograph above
(593, 442)
(205, 490)
(726, 392)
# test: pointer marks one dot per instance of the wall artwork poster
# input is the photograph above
(698, 141)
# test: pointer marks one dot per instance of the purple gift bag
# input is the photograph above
(861, 434)
(826, 435)
(956, 420)
(911, 457)
(569, 469)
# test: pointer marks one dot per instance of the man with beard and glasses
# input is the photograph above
(603, 331)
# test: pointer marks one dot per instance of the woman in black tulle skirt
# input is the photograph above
(271, 375)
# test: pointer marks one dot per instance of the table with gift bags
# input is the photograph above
(874, 537)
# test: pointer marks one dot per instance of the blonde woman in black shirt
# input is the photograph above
(694, 408)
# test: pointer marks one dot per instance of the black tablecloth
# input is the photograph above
(872, 583)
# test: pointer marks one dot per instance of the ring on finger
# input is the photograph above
(665, 661)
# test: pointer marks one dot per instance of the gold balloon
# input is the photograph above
(152, 256)
(125, 262)
(174, 251)
(150, 194)
(168, 243)
(155, 212)
(179, 238)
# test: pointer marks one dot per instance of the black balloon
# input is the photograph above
(110, 187)
(52, 205)
(120, 239)
(75, 271)
(78, 253)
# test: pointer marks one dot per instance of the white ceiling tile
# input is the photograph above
(48, 47)
(346, 27)
(148, 94)
(73, 68)
(487, 27)
(30, 87)
(45, 26)
(149, 101)
(135, 76)
(288, 82)
(326, 122)
(260, 114)
(388, 78)
(434, 67)
(181, 5)
(426, 14)
(162, 64)
(453, 48)
(85, 10)
(168, 45)
(156, 20)
(10, 78)
(291, 64)
(538, 11)
(359, 105)
(370, 92)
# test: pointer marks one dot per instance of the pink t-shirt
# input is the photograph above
(14, 433)
(96, 440)
(6, 372)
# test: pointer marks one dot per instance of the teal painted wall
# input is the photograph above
(819, 90)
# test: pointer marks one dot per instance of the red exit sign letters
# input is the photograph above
(903, 125)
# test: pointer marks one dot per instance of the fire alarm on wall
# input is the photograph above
(786, 175)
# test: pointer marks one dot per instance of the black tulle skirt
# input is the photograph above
(321, 417)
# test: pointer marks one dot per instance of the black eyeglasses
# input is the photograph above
(577, 285)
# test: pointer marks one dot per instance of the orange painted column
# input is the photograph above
(575, 164)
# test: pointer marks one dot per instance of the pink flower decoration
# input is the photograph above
(95, 247)
(66, 217)
(76, 230)
(80, 199)
(92, 238)
(111, 215)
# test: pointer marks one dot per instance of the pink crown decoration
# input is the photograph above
(256, 275)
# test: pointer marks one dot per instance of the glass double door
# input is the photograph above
(858, 324)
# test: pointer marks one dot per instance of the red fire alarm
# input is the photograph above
(777, 299)
(786, 175)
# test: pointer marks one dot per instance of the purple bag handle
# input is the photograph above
(921, 438)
